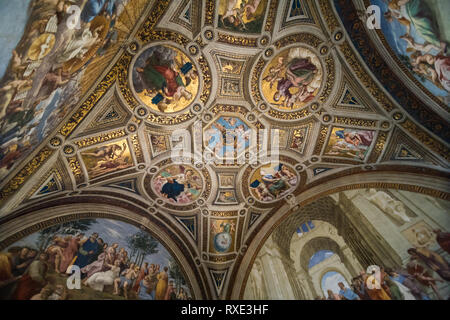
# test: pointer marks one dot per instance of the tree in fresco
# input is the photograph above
(66, 228)
(176, 274)
(141, 244)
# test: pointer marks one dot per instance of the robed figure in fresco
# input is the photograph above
(87, 251)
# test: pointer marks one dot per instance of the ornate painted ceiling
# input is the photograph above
(88, 116)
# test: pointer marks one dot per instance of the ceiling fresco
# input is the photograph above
(418, 34)
(93, 110)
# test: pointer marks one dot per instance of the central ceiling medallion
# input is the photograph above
(227, 137)
(165, 79)
(292, 79)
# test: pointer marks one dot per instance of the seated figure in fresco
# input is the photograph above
(21, 261)
(375, 290)
(279, 182)
(443, 238)
(422, 273)
(33, 280)
(103, 262)
(125, 281)
(144, 290)
(99, 280)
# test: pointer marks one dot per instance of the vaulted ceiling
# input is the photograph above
(105, 142)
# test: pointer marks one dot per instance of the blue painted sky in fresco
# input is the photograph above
(319, 256)
(12, 23)
(392, 32)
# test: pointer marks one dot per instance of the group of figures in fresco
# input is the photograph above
(409, 283)
(42, 81)
(178, 184)
(419, 32)
(270, 183)
(108, 271)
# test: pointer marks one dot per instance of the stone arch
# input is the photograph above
(433, 183)
(317, 244)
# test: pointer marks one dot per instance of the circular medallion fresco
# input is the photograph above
(271, 182)
(178, 184)
(165, 79)
(292, 78)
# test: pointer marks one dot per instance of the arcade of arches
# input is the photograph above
(224, 149)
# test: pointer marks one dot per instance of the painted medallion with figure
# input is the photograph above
(165, 79)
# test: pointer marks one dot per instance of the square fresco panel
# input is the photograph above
(349, 143)
(107, 158)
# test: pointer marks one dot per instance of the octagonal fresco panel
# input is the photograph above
(419, 34)
(179, 184)
(105, 251)
(272, 182)
(165, 79)
(227, 137)
(292, 78)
